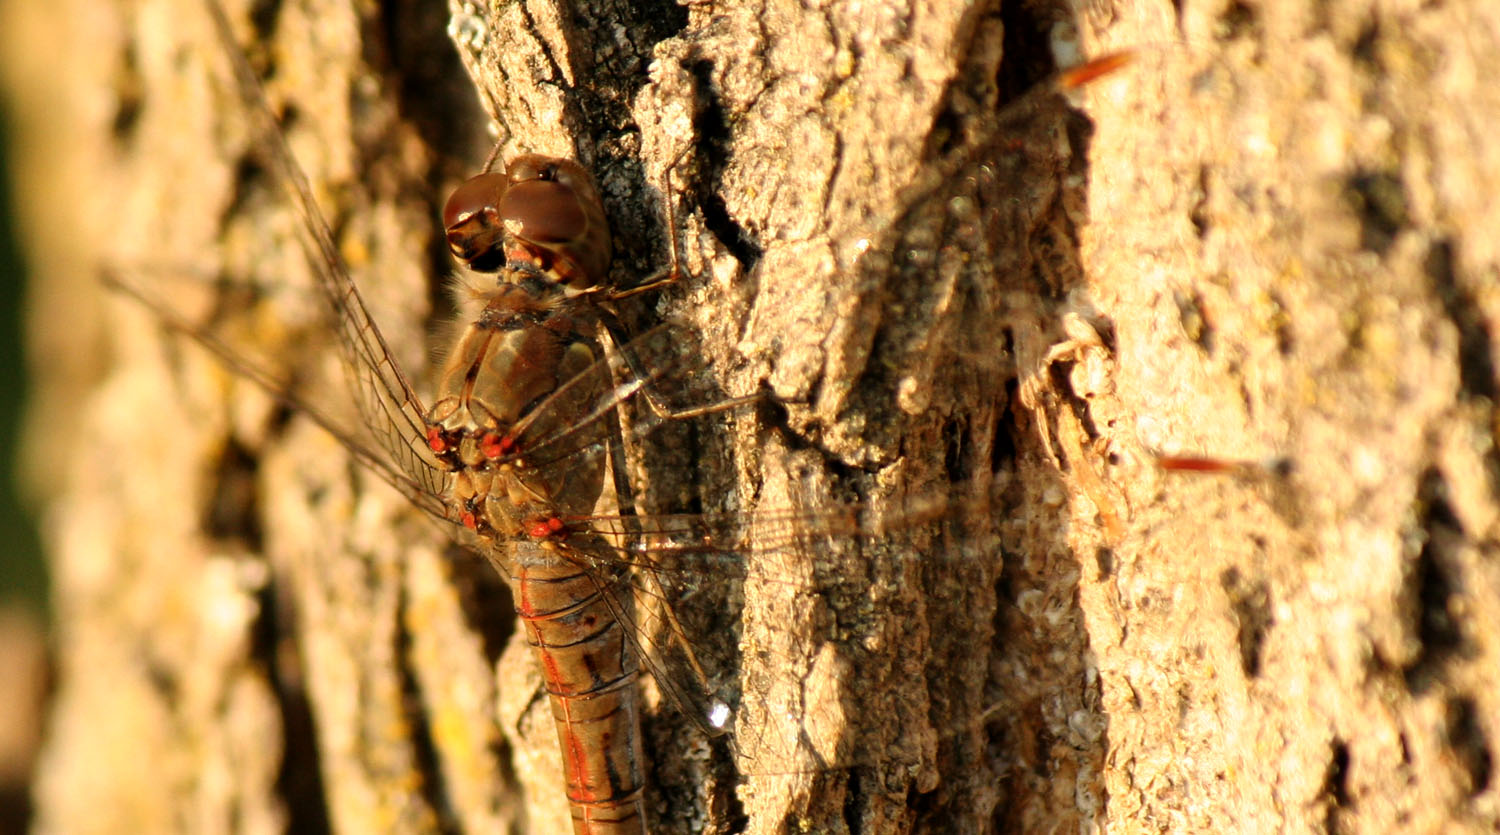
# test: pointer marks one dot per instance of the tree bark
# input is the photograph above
(1263, 242)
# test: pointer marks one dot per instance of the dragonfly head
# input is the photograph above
(543, 212)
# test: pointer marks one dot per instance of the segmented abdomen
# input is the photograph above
(589, 665)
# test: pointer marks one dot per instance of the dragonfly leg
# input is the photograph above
(615, 330)
(673, 271)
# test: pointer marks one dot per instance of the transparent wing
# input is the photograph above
(420, 493)
(689, 568)
(389, 405)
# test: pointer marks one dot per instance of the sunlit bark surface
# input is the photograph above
(1267, 241)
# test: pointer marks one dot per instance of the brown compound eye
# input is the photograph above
(552, 205)
(544, 203)
(543, 212)
(472, 222)
(529, 167)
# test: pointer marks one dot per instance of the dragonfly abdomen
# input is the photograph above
(590, 668)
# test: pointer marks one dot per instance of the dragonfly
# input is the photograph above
(557, 443)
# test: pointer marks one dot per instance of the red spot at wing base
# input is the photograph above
(435, 440)
(546, 528)
(469, 521)
(493, 446)
(489, 445)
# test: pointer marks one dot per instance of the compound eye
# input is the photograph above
(572, 177)
(472, 223)
(474, 196)
(528, 167)
(543, 212)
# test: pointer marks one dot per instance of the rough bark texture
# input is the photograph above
(1269, 239)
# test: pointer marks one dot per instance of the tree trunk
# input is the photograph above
(1263, 242)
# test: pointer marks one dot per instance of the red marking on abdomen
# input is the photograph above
(582, 792)
(523, 596)
(550, 671)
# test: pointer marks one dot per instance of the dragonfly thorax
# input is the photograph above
(515, 413)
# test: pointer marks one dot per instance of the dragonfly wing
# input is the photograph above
(389, 406)
(692, 571)
(421, 493)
